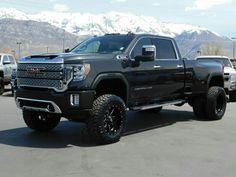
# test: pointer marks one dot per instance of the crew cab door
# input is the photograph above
(168, 70)
(139, 76)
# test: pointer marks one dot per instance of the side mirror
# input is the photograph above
(67, 50)
(6, 62)
(148, 53)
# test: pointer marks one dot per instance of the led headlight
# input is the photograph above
(80, 72)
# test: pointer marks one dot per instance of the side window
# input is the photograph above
(5, 59)
(0, 59)
(165, 49)
(137, 50)
(11, 59)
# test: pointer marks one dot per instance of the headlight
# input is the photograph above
(80, 72)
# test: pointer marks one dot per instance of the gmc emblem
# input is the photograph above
(35, 70)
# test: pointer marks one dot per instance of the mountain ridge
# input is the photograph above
(99, 24)
(77, 26)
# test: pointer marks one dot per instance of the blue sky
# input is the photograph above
(216, 15)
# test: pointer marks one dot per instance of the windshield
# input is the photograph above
(224, 61)
(104, 44)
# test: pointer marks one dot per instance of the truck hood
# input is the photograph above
(229, 70)
(65, 57)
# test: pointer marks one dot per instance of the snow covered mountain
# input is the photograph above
(98, 24)
(44, 30)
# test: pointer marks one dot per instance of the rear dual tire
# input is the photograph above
(211, 107)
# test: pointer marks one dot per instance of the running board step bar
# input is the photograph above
(151, 106)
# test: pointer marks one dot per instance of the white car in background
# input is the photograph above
(229, 74)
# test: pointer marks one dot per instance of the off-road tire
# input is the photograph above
(232, 96)
(108, 119)
(1, 86)
(199, 107)
(40, 121)
(216, 103)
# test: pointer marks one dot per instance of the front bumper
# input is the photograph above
(55, 103)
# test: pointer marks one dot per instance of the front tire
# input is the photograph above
(40, 121)
(108, 119)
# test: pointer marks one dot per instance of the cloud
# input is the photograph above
(206, 4)
(156, 4)
(118, 1)
(61, 8)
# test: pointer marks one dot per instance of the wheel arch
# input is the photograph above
(216, 80)
(109, 82)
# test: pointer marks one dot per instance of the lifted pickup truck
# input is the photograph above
(103, 77)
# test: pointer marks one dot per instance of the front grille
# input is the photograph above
(43, 83)
(48, 67)
(43, 75)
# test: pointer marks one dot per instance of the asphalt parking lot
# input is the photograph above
(169, 144)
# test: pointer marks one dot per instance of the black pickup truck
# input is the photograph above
(102, 78)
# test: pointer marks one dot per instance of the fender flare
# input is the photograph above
(215, 75)
(105, 76)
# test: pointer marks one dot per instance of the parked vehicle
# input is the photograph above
(233, 61)
(103, 77)
(7, 65)
(229, 74)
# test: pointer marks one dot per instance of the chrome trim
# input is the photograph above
(151, 106)
(63, 83)
(180, 66)
(56, 108)
(71, 100)
(64, 86)
(157, 67)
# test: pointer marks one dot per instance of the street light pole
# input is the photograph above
(19, 43)
(233, 38)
